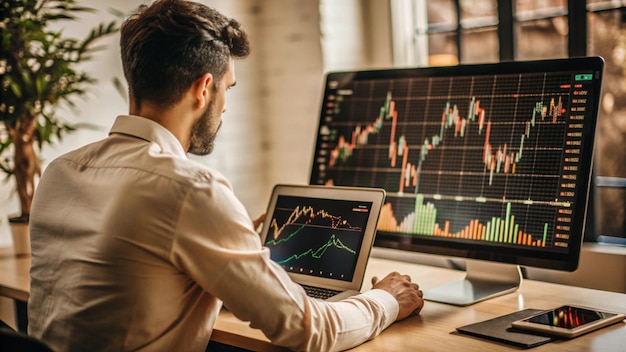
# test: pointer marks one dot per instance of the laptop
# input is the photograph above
(322, 236)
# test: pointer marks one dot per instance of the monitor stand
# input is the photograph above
(483, 280)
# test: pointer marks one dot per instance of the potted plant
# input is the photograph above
(39, 72)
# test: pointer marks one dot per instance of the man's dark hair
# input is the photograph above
(168, 45)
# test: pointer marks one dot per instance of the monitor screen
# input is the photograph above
(488, 162)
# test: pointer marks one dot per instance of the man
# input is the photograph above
(135, 247)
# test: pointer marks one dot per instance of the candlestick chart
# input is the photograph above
(319, 237)
(490, 159)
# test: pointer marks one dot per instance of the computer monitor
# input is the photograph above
(490, 162)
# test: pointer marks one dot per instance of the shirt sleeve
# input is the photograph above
(218, 248)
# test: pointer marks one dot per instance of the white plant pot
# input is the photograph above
(20, 232)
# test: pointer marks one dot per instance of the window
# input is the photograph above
(444, 32)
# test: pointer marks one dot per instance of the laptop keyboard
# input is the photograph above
(319, 292)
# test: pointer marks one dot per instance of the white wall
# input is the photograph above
(290, 54)
(356, 34)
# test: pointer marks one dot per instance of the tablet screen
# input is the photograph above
(569, 317)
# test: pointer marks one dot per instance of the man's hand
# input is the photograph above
(407, 293)
(256, 223)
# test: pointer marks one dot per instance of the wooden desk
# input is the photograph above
(14, 276)
(15, 282)
(432, 330)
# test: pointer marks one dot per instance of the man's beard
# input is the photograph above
(202, 140)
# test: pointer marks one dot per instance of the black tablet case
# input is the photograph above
(499, 329)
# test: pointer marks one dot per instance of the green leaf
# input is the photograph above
(16, 89)
(40, 85)
(58, 16)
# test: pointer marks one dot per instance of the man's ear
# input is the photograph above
(203, 89)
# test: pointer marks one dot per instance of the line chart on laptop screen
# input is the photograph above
(319, 237)
(489, 158)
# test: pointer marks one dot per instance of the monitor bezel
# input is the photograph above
(485, 251)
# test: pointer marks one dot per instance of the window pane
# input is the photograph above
(596, 5)
(541, 39)
(442, 49)
(479, 45)
(476, 11)
(610, 211)
(607, 38)
(539, 5)
(441, 15)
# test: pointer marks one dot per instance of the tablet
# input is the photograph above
(568, 321)
(322, 236)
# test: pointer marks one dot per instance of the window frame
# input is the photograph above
(413, 23)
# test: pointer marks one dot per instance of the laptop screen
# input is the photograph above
(317, 236)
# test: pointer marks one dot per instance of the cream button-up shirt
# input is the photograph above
(135, 247)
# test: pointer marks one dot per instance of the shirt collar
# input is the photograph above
(146, 129)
